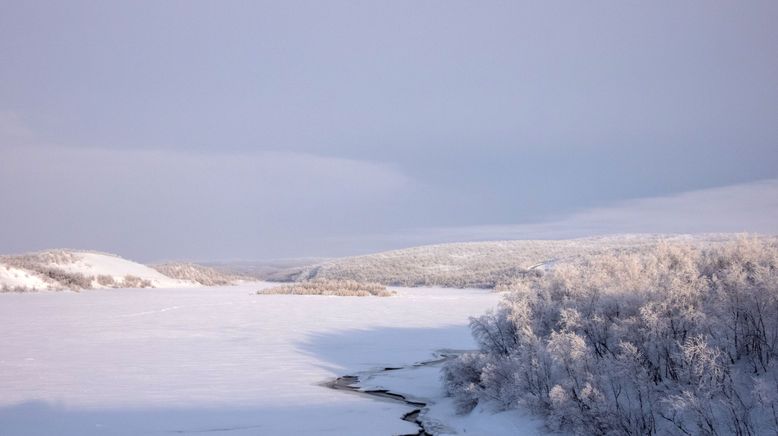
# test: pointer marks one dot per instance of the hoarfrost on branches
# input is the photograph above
(674, 338)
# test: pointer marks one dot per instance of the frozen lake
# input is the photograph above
(215, 360)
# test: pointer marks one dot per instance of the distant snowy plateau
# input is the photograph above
(225, 361)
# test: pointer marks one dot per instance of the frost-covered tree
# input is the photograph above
(675, 338)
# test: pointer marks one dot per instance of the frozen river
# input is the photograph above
(215, 360)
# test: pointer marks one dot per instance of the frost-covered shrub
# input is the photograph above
(42, 265)
(70, 280)
(106, 280)
(46, 257)
(676, 338)
(345, 288)
(5, 289)
(131, 281)
(462, 378)
(67, 280)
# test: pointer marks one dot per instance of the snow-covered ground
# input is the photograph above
(221, 360)
(422, 384)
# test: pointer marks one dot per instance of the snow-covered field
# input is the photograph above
(221, 360)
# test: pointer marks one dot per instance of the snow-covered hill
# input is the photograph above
(75, 270)
(475, 264)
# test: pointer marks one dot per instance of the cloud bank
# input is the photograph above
(149, 204)
(740, 208)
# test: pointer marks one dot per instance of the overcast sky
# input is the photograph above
(249, 130)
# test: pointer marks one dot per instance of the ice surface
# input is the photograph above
(216, 360)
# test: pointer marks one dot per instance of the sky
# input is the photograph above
(253, 130)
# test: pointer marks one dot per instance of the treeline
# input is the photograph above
(203, 275)
(475, 264)
(676, 338)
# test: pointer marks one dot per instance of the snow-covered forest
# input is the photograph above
(492, 264)
(675, 338)
(203, 275)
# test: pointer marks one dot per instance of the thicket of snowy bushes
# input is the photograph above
(6, 289)
(41, 265)
(493, 264)
(343, 288)
(672, 339)
(203, 275)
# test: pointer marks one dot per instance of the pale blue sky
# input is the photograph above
(213, 130)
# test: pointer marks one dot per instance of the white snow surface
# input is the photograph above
(223, 360)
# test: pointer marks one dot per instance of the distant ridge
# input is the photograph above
(477, 264)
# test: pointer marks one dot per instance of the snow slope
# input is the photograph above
(219, 360)
(94, 264)
(16, 278)
(60, 269)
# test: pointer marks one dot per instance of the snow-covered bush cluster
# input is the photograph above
(197, 273)
(492, 264)
(5, 288)
(343, 288)
(131, 281)
(672, 339)
(128, 281)
(44, 266)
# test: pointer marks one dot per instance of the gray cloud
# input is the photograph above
(160, 204)
(292, 120)
(742, 208)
